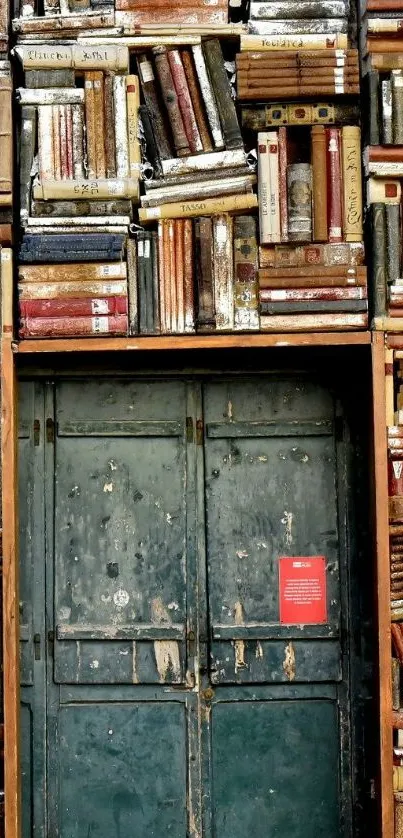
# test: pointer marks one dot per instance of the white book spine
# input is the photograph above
(121, 136)
(208, 97)
(274, 196)
(50, 96)
(45, 142)
(78, 141)
(223, 272)
(263, 179)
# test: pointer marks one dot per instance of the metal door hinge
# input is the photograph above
(50, 430)
(199, 432)
(37, 431)
(189, 429)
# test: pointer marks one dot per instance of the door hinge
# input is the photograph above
(189, 429)
(50, 430)
(199, 432)
(37, 431)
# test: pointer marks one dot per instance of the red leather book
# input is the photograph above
(385, 154)
(73, 326)
(185, 102)
(274, 295)
(334, 185)
(74, 307)
(282, 178)
(171, 102)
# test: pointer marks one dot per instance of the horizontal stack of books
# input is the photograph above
(381, 33)
(284, 24)
(262, 75)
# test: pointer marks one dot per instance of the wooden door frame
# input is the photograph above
(12, 770)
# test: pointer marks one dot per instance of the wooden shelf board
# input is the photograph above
(173, 342)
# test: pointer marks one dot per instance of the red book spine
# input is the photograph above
(267, 295)
(395, 476)
(282, 161)
(334, 185)
(73, 307)
(385, 154)
(184, 101)
(69, 141)
(73, 326)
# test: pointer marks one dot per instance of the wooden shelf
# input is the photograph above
(174, 342)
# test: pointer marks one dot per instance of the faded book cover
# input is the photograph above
(246, 315)
(223, 272)
(6, 141)
(319, 183)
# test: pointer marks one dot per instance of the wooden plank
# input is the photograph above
(389, 388)
(381, 524)
(192, 342)
(10, 561)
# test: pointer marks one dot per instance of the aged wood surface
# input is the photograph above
(383, 594)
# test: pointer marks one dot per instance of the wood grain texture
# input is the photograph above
(381, 524)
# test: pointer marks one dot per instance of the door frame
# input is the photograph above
(12, 771)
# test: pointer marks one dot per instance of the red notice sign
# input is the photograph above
(302, 583)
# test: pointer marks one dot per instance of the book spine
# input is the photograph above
(372, 98)
(121, 137)
(265, 218)
(393, 242)
(273, 295)
(98, 82)
(184, 101)
(50, 96)
(306, 9)
(282, 113)
(188, 275)
(383, 191)
(79, 271)
(223, 272)
(319, 183)
(133, 105)
(313, 273)
(142, 289)
(27, 150)
(109, 121)
(271, 43)
(180, 273)
(70, 209)
(73, 326)
(334, 187)
(379, 258)
(282, 161)
(78, 141)
(132, 288)
(6, 140)
(222, 90)
(87, 190)
(73, 289)
(62, 142)
(161, 276)
(56, 141)
(171, 291)
(197, 101)
(299, 191)
(90, 128)
(246, 314)
(155, 282)
(219, 160)
(352, 184)
(167, 262)
(208, 97)
(189, 209)
(289, 27)
(171, 101)
(313, 307)
(39, 79)
(148, 274)
(387, 123)
(76, 56)
(151, 152)
(69, 141)
(313, 322)
(396, 81)
(84, 307)
(148, 84)
(45, 142)
(204, 254)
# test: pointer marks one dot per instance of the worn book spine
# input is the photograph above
(180, 273)
(27, 149)
(393, 242)
(273, 295)
(151, 151)
(62, 144)
(133, 105)
(319, 183)
(379, 258)
(155, 282)
(171, 290)
(50, 96)
(395, 684)
(257, 43)
(77, 56)
(71, 288)
(334, 186)
(161, 276)
(99, 122)
(223, 272)
(142, 289)
(184, 101)
(90, 129)
(386, 191)
(148, 273)
(148, 85)
(281, 113)
(84, 307)
(312, 272)
(132, 286)
(352, 183)
(51, 78)
(282, 182)
(217, 160)
(313, 322)
(208, 95)
(246, 314)
(85, 190)
(373, 122)
(109, 120)
(396, 81)
(305, 9)
(45, 142)
(188, 279)
(69, 141)
(73, 326)
(77, 116)
(56, 141)
(189, 209)
(274, 198)
(313, 307)
(222, 90)
(198, 189)
(386, 101)
(265, 219)
(196, 100)
(289, 27)
(62, 273)
(204, 256)
(121, 135)
(63, 211)
(299, 194)
(171, 101)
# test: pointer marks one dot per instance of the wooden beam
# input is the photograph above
(172, 342)
(381, 523)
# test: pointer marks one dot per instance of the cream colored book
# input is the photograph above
(50, 96)
(58, 56)
(144, 41)
(86, 190)
(133, 104)
(121, 136)
(263, 179)
(384, 191)
(352, 183)
(293, 42)
(189, 209)
(45, 141)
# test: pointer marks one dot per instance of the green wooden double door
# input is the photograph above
(163, 691)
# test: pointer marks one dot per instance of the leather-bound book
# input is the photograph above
(352, 183)
(222, 90)
(32, 327)
(223, 272)
(319, 183)
(121, 136)
(60, 143)
(185, 102)
(204, 274)
(320, 322)
(79, 307)
(77, 118)
(141, 278)
(208, 96)
(196, 99)
(56, 140)
(171, 101)
(284, 295)
(180, 274)
(152, 151)
(62, 273)
(166, 273)
(69, 142)
(299, 192)
(260, 117)
(396, 80)
(151, 98)
(98, 82)
(313, 307)
(74, 289)
(312, 254)
(378, 237)
(132, 286)
(90, 128)
(6, 141)
(312, 276)
(149, 282)
(188, 275)
(45, 142)
(246, 314)
(393, 242)
(49, 78)
(171, 290)
(334, 185)
(133, 104)
(282, 181)
(161, 277)
(109, 123)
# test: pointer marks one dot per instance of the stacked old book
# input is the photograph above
(381, 33)
(308, 17)
(290, 74)
(309, 184)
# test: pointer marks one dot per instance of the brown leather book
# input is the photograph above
(185, 102)
(385, 154)
(316, 272)
(319, 183)
(197, 100)
(63, 142)
(286, 91)
(98, 82)
(152, 100)
(313, 322)
(90, 123)
(384, 45)
(188, 275)
(195, 14)
(109, 126)
(172, 275)
(219, 80)
(6, 146)
(334, 185)
(180, 274)
(167, 276)
(204, 274)
(384, 5)
(171, 101)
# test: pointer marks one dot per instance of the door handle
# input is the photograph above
(37, 647)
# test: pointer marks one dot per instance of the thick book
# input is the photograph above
(73, 326)
(71, 289)
(196, 99)
(298, 26)
(299, 197)
(271, 43)
(133, 106)
(305, 9)
(393, 242)
(79, 307)
(86, 190)
(62, 273)
(27, 150)
(121, 135)
(132, 286)
(208, 95)
(282, 181)
(49, 78)
(6, 141)
(278, 295)
(151, 99)
(77, 56)
(396, 80)
(246, 314)
(222, 90)
(188, 279)
(185, 101)
(188, 209)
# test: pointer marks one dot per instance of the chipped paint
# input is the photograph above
(166, 651)
(112, 465)
(289, 661)
(259, 650)
(108, 487)
(121, 598)
(287, 520)
(173, 606)
(168, 519)
(242, 554)
(94, 664)
(262, 458)
(135, 678)
(239, 645)
(230, 410)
